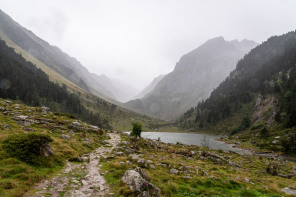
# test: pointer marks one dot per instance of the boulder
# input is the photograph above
(66, 137)
(119, 153)
(83, 159)
(143, 173)
(21, 117)
(135, 157)
(289, 191)
(174, 171)
(143, 163)
(44, 110)
(139, 185)
(95, 128)
(134, 180)
(76, 124)
(24, 123)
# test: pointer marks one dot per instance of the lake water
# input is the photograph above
(193, 139)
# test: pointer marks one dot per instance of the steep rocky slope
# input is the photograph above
(149, 88)
(194, 77)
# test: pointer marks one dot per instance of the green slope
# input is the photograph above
(262, 90)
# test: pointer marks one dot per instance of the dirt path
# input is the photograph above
(80, 180)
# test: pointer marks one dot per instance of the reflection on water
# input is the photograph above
(192, 139)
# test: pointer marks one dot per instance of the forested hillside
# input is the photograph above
(269, 69)
(21, 80)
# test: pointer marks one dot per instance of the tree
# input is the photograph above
(136, 133)
(137, 129)
(245, 123)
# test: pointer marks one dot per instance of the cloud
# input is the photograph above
(136, 41)
(53, 24)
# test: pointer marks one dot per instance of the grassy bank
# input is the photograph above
(18, 176)
(199, 173)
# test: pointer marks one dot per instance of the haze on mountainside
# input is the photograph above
(193, 79)
(136, 41)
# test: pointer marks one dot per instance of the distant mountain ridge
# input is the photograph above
(261, 90)
(149, 88)
(194, 77)
(59, 61)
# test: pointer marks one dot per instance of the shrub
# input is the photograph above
(245, 123)
(137, 129)
(27, 147)
(264, 132)
(289, 144)
(257, 126)
(234, 130)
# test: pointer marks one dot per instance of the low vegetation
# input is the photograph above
(35, 144)
(183, 170)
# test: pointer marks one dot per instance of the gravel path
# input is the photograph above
(81, 180)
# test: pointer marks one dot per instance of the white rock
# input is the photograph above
(134, 180)
(174, 171)
(289, 191)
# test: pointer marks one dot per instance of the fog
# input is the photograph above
(136, 41)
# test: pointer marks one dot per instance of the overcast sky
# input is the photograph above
(136, 40)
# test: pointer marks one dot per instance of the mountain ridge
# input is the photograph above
(195, 75)
(55, 58)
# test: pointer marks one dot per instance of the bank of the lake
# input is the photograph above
(193, 139)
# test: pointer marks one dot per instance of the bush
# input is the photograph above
(137, 129)
(257, 126)
(245, 123)
(264, 132)
(27, 147)
(289, 144)
(234, 130)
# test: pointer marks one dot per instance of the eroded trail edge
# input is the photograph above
(83, 179)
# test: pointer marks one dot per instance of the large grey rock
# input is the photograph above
(66, 137)
(44, 109)
(21, 117)
(83, 159)
(95, 128)
(143, 163)
(76, 124)
(135, 156)
(134, 180)
(143, 173)
(139, 185)
(174, 171)
(289, 191)
(119, 153)
(46, 150)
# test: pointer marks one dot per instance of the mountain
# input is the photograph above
(21, 80)
(122, 91)
(58, 61)
(149, 88)
(64, 72)
(257, 99)
(194, 77)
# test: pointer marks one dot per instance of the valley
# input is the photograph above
(221, 123)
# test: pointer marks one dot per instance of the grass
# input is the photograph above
(17, 177)
(208, 177)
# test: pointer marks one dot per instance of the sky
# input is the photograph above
(137, 40)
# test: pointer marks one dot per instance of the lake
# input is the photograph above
(193, 139)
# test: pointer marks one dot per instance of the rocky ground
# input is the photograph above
(80, 179)
(160, 169)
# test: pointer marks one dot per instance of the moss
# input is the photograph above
(26, 147)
